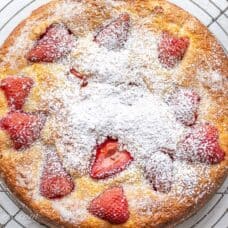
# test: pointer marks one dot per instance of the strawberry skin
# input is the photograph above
(55, 43)
(202, 145)
(159, 171)
(55, 181)
(114, 35)
(79, 76)
(23, 128)
(56, 187)
(171, 49)
(16, 90)
(109, 160)
(185, 104)
(111, 206)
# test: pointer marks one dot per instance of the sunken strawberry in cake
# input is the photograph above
(113, 113)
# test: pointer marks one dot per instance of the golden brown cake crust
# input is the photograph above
(204, 53)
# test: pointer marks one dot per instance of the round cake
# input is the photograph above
(113, 114)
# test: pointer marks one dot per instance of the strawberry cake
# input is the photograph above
(113, 114)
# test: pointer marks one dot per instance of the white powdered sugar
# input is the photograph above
(116, 103)
(186, 177)
(100, 62)
(127, 113)
(214, 80)
(71, 210)
(138, 58)
(143, 205)
(68, 8)
(109, 106)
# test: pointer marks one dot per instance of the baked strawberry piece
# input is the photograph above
(159, 171)
(111, 205)
(185, 103)
(158, 10)
(55, 181)
(55, 43)
(16, 90)
(171, 49)
(109, 160)
(114, 35)
(201, 144)
(23, 128)
(79, 76)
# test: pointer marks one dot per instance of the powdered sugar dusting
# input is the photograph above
(142, 205)
(187, 176)
(116, 103)
(72, 210)
(213, 80)
(129, 114)
(129, 64)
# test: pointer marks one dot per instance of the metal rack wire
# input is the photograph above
(214, 14)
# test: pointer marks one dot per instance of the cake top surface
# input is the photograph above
(124, 104)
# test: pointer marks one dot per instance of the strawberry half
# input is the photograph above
(115, 34)
(23, 128)
(159, 171)
(184, 103)
(16, 90)
(171, 49)
(202, 145)
(56, 42)
(111, 205)
(55, 181)
(109, 160)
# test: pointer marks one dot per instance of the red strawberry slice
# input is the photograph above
(202, 145)
(16, 90)
(114, 35)
(184, 103)
(79, 76)
(109, 160)
(171, 49)
(111, 205)
(23, 128)
(56, 42)
(55, 181)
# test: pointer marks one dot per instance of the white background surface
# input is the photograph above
(214, 14)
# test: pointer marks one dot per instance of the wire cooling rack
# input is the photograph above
(212, 13)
